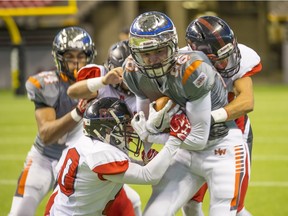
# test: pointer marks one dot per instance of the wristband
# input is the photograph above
(94, 84)
(75, 115)
(219, 115)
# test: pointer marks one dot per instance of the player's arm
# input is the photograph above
(81, 90)
(51, 129)
(199, 114)
(242, 104)
(244, 101)
(155, 169)
(88, 87)
(148, 174)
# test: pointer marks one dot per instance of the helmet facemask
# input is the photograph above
(63, 64)
(113, 127)
(227, 61)
(72, 39)
(156, 69)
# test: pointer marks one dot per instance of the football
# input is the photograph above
(161, 102)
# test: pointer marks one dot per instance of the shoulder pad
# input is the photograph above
(109, 161)
(249, 60)
(90, 71)
(43, 87)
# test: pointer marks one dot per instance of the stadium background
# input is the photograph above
(261, 25)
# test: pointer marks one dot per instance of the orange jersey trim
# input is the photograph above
(50, 203)
(254, 70)
(244, 186)
(22, 180)
(88, 72)
(199, 196)
(112, 168)
(120, 206)
(190, 70)
(35, 82)
(238, 177)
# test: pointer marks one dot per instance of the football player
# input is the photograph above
(96, 166)
(236, 63)
(109, 73)
(55, 115)
(211, 151)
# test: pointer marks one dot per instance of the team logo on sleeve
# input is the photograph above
(200, 80)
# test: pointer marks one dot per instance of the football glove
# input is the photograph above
(158, 121)
(149, 156)
(180, 126)
(138, 123)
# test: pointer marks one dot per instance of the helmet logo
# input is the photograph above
(225, 50)
(150, 23)
(76, 44)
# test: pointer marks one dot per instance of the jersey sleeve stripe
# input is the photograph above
(190, 70)
(115, 167)
(254, 70)
(35, 82)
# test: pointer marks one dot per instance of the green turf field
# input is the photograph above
(268, 190)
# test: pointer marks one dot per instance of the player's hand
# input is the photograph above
(158, 121)
(138, 123)
(113, 77)
(149, 156)
(180, 126)
(81, 106)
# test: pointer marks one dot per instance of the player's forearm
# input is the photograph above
(152, 172)
(239, 107)
(79, 90)
(199, 114)
(242, 104)
(86, 88)
(52, 131)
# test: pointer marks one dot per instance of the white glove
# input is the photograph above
(138, 123)
(158, 121)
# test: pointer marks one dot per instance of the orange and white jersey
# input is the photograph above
(82, 190)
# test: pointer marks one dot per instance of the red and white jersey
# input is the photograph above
(93, 70)
(250, 64)
(82, 190)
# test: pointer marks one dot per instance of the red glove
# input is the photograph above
(180, 126)
(88, 72)
(149, 156)
(81, 106)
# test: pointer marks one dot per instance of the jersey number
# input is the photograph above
(68, 172)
